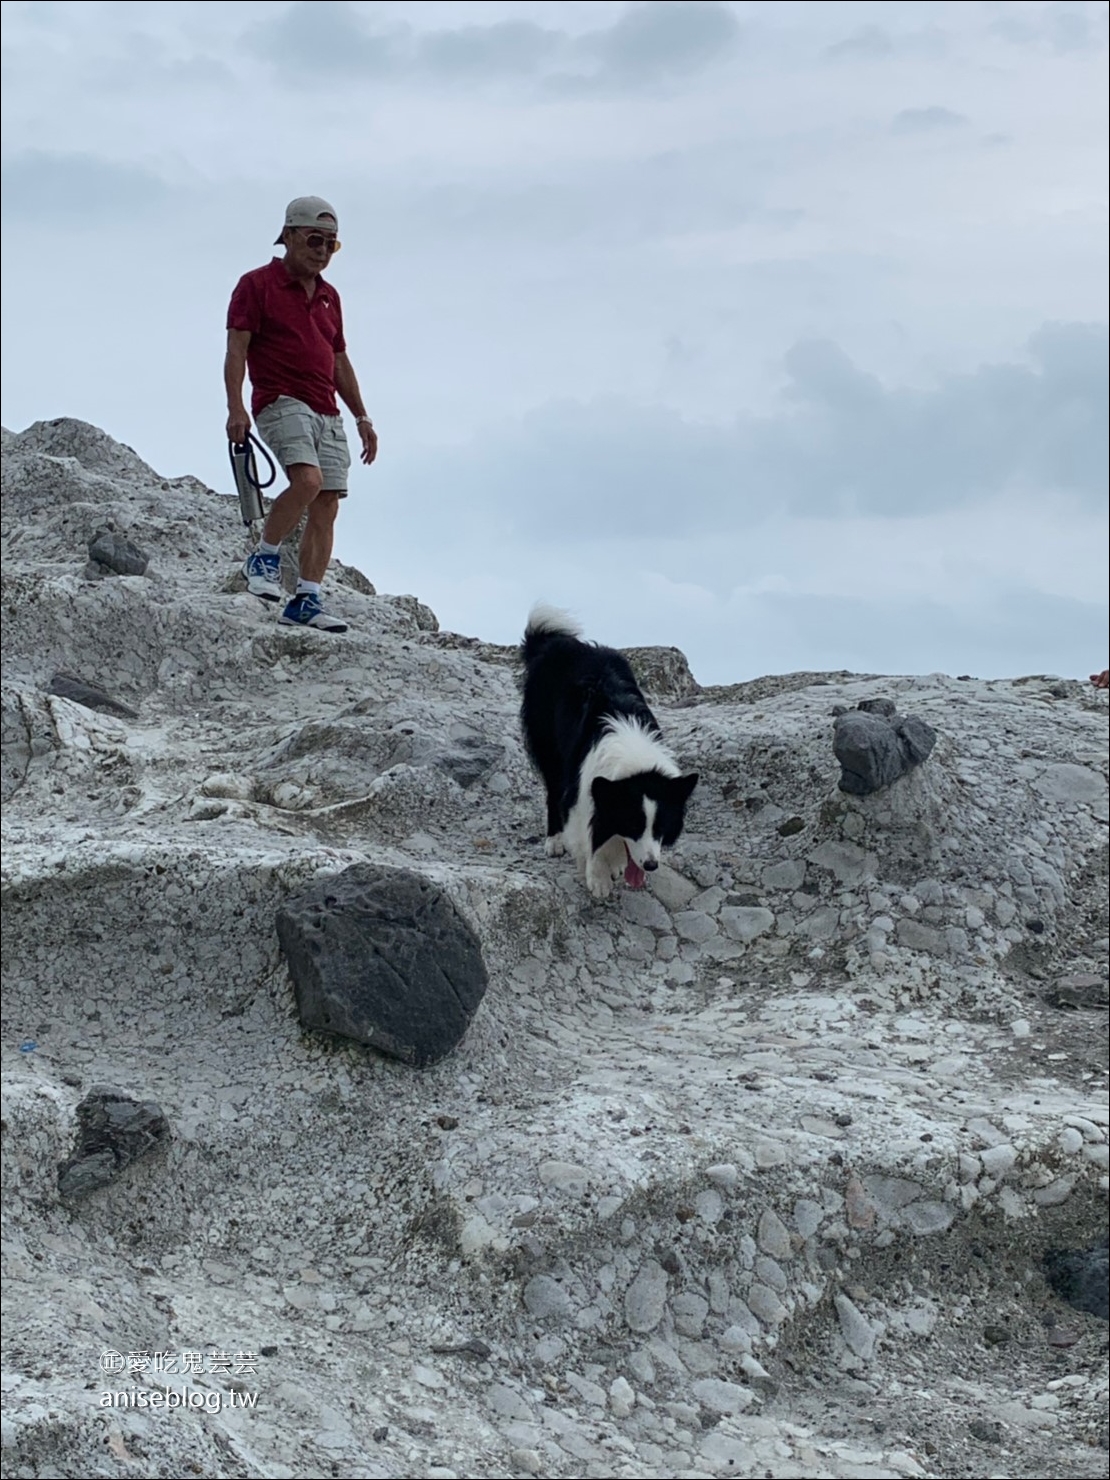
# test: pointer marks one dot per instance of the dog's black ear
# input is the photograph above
(685, 785)
(602, 790)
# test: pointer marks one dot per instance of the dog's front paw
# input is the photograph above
(554, 847)
(598, 882)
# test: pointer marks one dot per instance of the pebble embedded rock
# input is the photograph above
(858, 1333)
(1071, 783)
(622, 1397)
(918, 937)
(672, 890)
(725, 1398)
(564, 1175)
(546, 1299)
(788, 875)
(765, 1304)
(745, 923)
(694, 925)
(646, 1298)
(690, 1311)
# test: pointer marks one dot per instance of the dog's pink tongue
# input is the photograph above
(634, 875)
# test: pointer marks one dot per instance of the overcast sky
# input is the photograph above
(773, 331)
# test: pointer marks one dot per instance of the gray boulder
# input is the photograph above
(470, 759)
(875, 748)
(117, 555)
(1080, 1276)
(113, 1130)
(382, 956)
(349, 575)
(88, 695)
(1078, 989)
(662, 672)
(417, 616)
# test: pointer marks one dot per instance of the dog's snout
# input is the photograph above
(651, 864)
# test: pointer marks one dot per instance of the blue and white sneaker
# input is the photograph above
(263, 573)
(307, 610)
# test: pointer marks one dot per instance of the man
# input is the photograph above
(285, 329)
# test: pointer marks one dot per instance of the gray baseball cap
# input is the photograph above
(310, 210)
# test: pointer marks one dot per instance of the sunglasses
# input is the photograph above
(316, 240)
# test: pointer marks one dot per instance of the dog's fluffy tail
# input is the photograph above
(545, 622)
(545, 618)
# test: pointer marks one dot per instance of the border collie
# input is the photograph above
(615, 797)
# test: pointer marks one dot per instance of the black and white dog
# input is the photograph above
(615, 797)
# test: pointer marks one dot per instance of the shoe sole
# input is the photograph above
(266, 596)
(311, 626)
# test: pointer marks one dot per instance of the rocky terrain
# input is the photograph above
(793, 1165)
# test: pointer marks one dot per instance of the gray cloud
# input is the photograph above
(116, 50)
(926, 120)
(874, 43)
(40, 13)
(1055, 27)
(615, 204)
(661, 41)
(868, 43)
(647, 45)
(508, 48)
(77, 188)
(328, 36)
(841, 443)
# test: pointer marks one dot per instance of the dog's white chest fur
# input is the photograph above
(625, 749)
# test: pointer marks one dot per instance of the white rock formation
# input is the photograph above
(749, 1175)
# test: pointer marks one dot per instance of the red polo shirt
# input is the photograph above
(294, 338)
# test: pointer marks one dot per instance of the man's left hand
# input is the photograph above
(369, 442)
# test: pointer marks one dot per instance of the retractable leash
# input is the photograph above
(248, 485)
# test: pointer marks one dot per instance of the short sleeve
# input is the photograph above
(245, 309)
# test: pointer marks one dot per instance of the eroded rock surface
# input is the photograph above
(756, 1173)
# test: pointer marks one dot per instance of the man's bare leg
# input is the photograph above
(319, 535)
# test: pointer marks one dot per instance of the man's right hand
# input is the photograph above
(238, 426)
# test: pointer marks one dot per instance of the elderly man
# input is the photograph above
(285, 329)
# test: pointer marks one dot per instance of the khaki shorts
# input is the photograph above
(295, 433)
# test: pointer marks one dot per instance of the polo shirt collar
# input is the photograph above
(277, 270)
